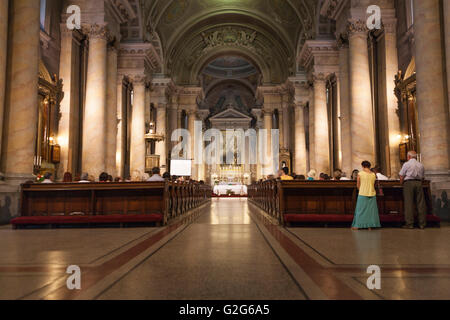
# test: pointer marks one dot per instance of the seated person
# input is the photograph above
(344, 177)
(48, 178)
(84, 178)
(300, 177)
(156, 176)
(312, 175)
(380, 176)
(166, 175)
(285, 174)
(337, 174)
(355, 174)
(67, 177)
(103, 177)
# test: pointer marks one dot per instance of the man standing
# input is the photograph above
(412, 176)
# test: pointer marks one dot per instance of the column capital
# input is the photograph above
(139, 80)
(319, 77)
(301, 105)
(390, 25)
(267, 113)
(96, 31)
(357, 28)
(342, 41)
(191, 112)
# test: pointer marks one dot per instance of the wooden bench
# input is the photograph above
(328, 202)
(95, 204)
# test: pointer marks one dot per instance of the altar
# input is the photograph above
(233, 189)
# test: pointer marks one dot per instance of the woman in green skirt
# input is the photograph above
(366, 213)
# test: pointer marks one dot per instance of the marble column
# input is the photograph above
(137, 152)
(3, 56)
(192, 117)
(68, 64)
(161, 130)
(321, 135)
(94, 128)
(22, 96)
(267, 166)
(390, 38)
(344, 101)
(281, 116)
(361, 113)
(286, 142)
(173, 121)
(179, 119)
(311, 155)
(432, 108)
(447, 45)
(119, 137)
(111, 113)
(300, 155)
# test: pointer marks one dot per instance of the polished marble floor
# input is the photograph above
(226, 250)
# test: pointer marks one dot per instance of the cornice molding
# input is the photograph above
(316, 48)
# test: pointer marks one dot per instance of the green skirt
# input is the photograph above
(366, 213)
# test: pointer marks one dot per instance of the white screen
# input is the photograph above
(181, 168)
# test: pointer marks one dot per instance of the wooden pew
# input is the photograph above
(328, 202)
(106, 203)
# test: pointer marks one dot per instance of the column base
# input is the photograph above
(10, 195)
(440, 191)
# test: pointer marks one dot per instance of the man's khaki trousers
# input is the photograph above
(414, 196)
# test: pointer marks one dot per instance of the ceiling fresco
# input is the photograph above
(192, 33)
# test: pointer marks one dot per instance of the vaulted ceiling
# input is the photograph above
(193, 33)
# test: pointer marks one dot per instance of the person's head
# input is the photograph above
(312, 174)
(118, 179)
(412, 155)
(376, 169)
(136, 176)
(103, 177)
(337, 174)
(166, 175)
(67, 177)
(110, 178)
(326, 177)
(322, 176)
(84, 177)
(355, 174)
(156, 171)
(280, 173)
(366, 165)
(48, 176)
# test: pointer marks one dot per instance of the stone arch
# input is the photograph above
(257, 62)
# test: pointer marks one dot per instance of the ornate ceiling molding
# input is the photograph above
(122, 10)
(332, 8)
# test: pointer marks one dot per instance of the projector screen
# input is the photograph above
(181, 168)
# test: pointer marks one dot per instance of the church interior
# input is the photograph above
(96, 97)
